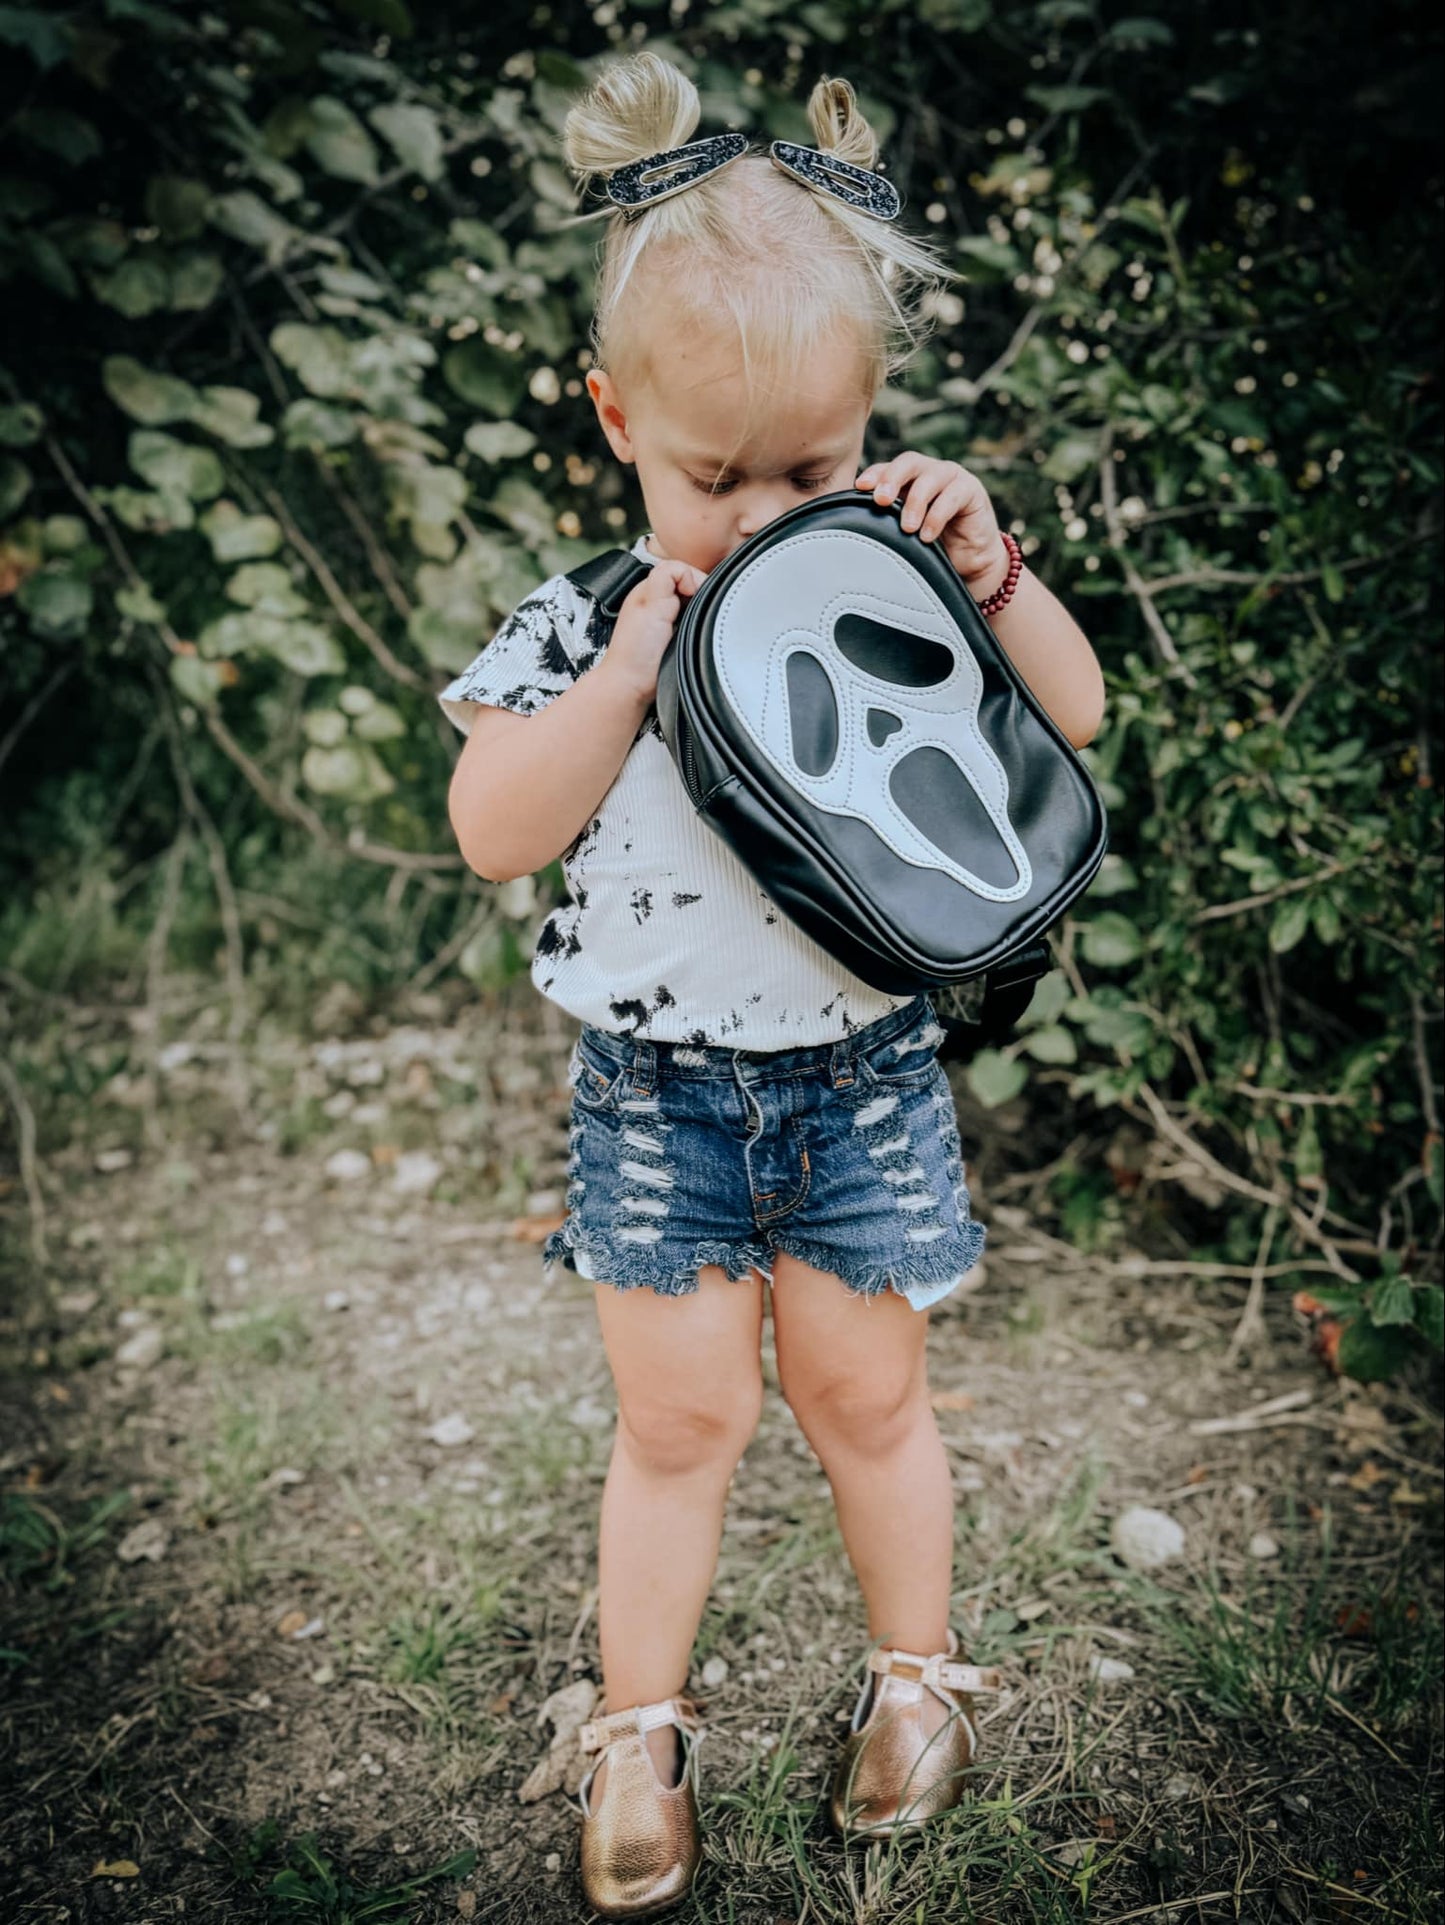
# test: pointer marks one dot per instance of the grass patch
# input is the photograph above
(311, 1887)
(40, 1546)
(1301, 1641)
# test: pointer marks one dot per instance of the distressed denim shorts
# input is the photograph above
(845, 1155)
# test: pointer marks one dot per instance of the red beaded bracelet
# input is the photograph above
(1003, 595)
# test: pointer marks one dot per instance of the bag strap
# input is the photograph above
(609, 578)
(1008, 990)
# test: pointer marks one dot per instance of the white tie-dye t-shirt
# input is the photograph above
(663, 933)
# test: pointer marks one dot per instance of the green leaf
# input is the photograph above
(390, 17)
(138, 604)
(1430, 1314)
(525, 509)
(136, 288)
(49, 266)
(1392, 1300)
(175, 467)
(484, 378)
(177, 206)
(995, 1078)
(1371, 1355)
(196, 279)
(238, 537)
(246, 217)
(1111, 940)
(58, 132)
(325, 727)
(424, 493)
(1051, 994)
(1075, 455)
(999, 255)
(47, 41)
(499, 440)
(145, 396)
(304, 647)
(149, 513)
(1053, 1044)
(1325, 915)
(353, 772)
(15, 484)
(479, 240)
(337, 141)
(312, 424)
(1066, 99)
(379, 723)
(1140, 33)
(21, 425)
(319, 356)
(1291, 920)
(413, 133)
(230, 414)
(199, 682)
(57, 600)
(346, 281)
(64, 534)
(266, 587)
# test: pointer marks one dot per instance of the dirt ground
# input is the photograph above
(301, 1458)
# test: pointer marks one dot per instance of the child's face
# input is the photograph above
(679, 425)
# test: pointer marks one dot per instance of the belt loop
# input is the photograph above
(644, 1068)
(840, 1063)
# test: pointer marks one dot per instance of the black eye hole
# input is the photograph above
(892, 654)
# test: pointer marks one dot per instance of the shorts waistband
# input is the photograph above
(649, 1060)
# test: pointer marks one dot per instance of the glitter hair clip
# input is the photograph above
(840, 179)
(656, 176)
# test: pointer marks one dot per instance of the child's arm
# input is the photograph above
(1051, 652)
(944, 502)
(525, 785)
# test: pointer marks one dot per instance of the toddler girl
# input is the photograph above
(745, 1112)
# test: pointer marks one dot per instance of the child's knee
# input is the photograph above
(677, 1429)
(870, 1409)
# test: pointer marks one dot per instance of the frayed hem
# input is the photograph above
(919, 1275)
(599, 1260)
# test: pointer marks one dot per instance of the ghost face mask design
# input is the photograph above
(865, 699)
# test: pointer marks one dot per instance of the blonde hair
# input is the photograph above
(789, 267)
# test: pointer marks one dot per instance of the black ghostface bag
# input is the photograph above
(843, 717)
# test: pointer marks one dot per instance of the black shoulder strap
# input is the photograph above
(609, 578)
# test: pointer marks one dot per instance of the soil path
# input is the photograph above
(302, 1457)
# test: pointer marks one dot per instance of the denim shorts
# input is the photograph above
(845, 1155)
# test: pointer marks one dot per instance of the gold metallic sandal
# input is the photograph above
(640, 1847)
(894, 1774)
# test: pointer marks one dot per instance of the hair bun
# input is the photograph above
(638, 106)
(839, 125)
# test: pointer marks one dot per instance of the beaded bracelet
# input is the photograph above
(1003, 595)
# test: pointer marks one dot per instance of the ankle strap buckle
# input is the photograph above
(638, 1719)
(940, 1670)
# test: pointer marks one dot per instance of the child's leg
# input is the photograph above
(854, 1372)
(689, 1382)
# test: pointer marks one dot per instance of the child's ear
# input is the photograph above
(610, 412)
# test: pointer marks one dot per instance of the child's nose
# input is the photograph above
(761, 507)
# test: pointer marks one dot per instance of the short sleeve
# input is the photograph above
(540, 650)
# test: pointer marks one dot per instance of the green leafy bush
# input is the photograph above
(292, 414)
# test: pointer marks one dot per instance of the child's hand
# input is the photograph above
(944, 502)
(645, 623)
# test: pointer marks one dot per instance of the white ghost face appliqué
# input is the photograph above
(853, 682)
